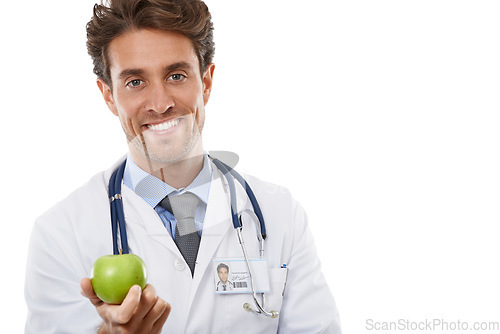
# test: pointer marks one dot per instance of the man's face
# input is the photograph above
(223, 275)
(158, 95)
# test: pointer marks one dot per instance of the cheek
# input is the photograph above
(199, 112)
(127, 108)
(128, 119)
(192, 96)
(124, 107)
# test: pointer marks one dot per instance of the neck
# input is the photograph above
(180, 174)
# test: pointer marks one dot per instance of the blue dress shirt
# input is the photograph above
(154, 190)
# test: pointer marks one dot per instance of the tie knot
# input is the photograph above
(181, 206)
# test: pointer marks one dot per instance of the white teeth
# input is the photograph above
(164, 126)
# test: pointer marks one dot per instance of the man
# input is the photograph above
(153, 61)
(223, 284)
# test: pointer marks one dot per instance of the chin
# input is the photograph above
(158, 153)
(169, 157)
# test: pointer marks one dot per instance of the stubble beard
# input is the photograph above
(164, 155)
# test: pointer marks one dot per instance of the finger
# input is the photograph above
(88, 291)
(158, 325)
(156, 311)
(126, 310)
(148, 301)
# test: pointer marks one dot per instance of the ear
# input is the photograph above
(207, 82)
(107, 95)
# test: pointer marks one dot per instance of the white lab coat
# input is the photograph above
(67, 240)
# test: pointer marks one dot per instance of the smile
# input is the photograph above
(164, 126)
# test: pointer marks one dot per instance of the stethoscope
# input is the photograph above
(118, 223)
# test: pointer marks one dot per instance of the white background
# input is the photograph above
(382, 118)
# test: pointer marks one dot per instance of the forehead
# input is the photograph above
(150, 50)
(223, 269)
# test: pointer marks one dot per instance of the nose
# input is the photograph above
(158, 98)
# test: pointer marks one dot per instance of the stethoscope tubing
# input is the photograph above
(226, 170)
(117, 215)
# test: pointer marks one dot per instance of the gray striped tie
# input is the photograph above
(187, 238)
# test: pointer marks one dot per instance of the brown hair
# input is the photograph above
(188, 17)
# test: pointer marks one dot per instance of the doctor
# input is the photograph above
(153, 61)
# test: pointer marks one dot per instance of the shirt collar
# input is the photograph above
(153, 190)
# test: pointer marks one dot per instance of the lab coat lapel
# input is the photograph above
(216, 224)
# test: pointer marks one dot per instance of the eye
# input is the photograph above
(177, 77)
(134, 83)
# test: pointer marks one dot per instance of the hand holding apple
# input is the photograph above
(112, 276)
(141, 311)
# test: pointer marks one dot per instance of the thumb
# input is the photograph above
(88, 291)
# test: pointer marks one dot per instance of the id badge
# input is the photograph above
(231, 275)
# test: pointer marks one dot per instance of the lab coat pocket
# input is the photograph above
(235, 315)
(277, 284)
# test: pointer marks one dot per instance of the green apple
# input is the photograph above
(113, 275)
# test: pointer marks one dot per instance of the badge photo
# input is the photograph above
(231, 275)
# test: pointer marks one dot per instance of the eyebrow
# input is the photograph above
(137, 71)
